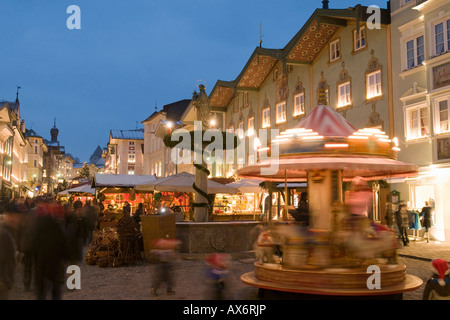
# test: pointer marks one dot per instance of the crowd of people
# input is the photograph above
(44, 236)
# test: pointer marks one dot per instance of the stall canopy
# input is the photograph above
(86, 189)
(182, 182)
(247, 186)
(120, 180)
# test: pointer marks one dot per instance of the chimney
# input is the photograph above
(325, 4)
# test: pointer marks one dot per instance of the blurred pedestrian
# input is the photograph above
(139, 211)
(164, 254)
(73, 233)
(438, 286)
(126, 208)
(50, 254)
(216, 273)
(97, 212)
(90, 220)
(9, 225)
(404, 221)
(25, 246)
(425, 214)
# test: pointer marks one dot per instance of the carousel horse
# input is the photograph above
(366, 240)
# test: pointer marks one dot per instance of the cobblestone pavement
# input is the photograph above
(134, 282)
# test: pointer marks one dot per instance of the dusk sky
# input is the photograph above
(129, 56)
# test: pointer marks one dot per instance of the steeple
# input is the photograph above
(54, 132)
(17, 94)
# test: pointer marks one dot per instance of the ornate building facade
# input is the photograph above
(421, 82)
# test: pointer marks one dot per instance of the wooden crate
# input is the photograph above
(156, 226)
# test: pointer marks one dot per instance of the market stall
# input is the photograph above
(115, 191)
(177, 190)
(244, 205)
(82, 193)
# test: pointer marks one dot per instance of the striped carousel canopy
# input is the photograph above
(324, 140)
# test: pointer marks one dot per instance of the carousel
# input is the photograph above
(341, 252)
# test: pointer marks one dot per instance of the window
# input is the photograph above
(241, 129)
(442, 37)
(245, 98)
(251, 126)
(34, 163)
(335, 50)
(359, 38)
(373, 83)
(442, 114)
(281, 112)
(266, 118)
(417, 122)
(344, 98)
(236, 103)
(35, 149)
(299, 104)
(131, 157)
(415, 53)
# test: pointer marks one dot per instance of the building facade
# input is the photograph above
(337, 51)
(421, 82)
(14, 151)
(158, 157)
(125, 152)
(35, 161)
(58, 165)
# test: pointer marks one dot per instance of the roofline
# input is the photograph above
(328, 16)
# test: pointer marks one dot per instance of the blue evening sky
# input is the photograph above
(129, 56)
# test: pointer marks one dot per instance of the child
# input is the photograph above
(438, 286)
(218, 269)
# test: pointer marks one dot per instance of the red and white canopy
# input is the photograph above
(295, 168)
(299, 157)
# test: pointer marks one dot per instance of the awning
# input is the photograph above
(296, 168)
(182, 182)
(247, 186)
(80, 189)
(120, 180)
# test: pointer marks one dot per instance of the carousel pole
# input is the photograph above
(285, 197)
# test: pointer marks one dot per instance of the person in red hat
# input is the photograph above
(218, 265)
(438, 286)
